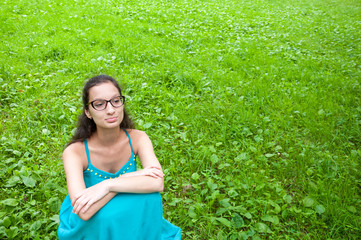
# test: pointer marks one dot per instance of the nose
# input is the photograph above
(110, 109)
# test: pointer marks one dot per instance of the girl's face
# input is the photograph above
(111, 116)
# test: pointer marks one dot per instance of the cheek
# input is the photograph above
(121, 114)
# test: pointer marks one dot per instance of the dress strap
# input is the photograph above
(87, 150)
(130, 140)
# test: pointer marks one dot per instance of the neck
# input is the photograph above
(107, 137)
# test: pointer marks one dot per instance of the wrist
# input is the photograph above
(108, 184)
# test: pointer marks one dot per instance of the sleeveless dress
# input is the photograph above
(128, 216)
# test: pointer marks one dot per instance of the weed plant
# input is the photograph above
(253, 108)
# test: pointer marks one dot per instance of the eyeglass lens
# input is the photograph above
(101, 104)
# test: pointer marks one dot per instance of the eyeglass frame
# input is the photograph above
(106, 103)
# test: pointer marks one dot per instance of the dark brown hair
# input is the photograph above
(86, 127)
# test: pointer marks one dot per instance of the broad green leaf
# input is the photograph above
(258, 138)
(191, 213)
(35, 226)
(321, 112)
(272, 219)
(242, 157)
(46, 131)
(147, 125)
(55, 218)
(28, 181)
(9, 160)
(214, 158)
(232, 193)
(277, 207)
(6, 222)
(243, 236)
(276, 220)
(287, 198)
(352, 209)
(224, 221)
(261, 227)
(12, 232)
(12, 181)
(320, 209)
(225, 203)
(10, 202)
(17, 153)
(308, 202)
(252, 149)
(195, 176)
(212, 149)
(248, 215)
(267, 218)
(54, 204)
(237, 221)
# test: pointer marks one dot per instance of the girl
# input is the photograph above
(108, 198)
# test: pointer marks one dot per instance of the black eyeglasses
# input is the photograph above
(101, 104)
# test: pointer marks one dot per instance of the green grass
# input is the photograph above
(253, 108)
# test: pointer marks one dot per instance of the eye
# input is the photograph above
(116, 100)
(98, 104)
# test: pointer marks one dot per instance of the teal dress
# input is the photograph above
(128, 216)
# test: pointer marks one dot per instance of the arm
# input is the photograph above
(143, 147)
(74, 167)
(149, 179)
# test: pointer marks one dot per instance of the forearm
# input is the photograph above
(88, 201)
(94, 208)
(136, 184)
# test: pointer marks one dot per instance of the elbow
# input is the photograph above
(84, 217)
(159, 186)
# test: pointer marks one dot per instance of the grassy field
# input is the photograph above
(253, 108)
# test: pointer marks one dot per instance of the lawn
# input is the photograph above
(253, 108)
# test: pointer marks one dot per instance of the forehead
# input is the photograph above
(103, 91)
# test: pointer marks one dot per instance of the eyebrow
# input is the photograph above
(105, 99)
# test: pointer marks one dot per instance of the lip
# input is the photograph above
(111, 120)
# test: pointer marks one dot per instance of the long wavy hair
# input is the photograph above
(86, 127)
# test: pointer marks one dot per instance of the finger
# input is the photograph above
(76, 207)
(78, 195)
(87, 206)
(159, 173)
(150, 167)
(149, 173)
(79, 204)
(153, 175)
(79, 208)
(156, 167)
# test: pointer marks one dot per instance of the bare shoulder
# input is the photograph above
(137, 134)
(75, 154)
(74, 149)
(139, 138)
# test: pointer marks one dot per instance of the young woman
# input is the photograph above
(108, 197)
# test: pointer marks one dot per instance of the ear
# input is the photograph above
(87, 114)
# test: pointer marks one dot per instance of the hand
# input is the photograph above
(87, 197)
(151, 171)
